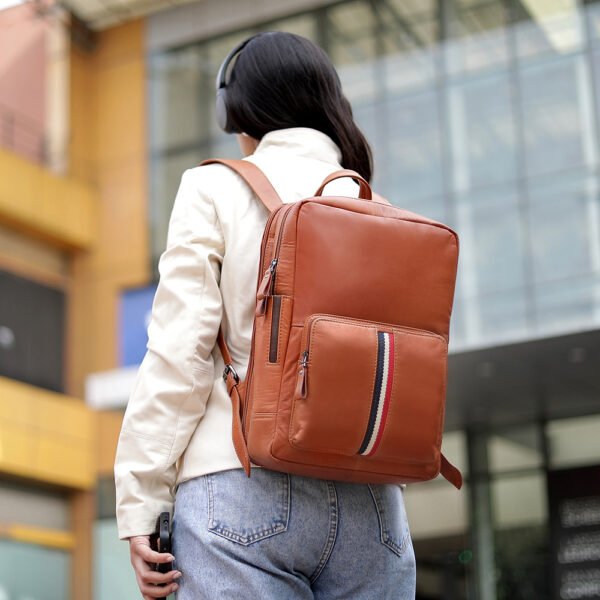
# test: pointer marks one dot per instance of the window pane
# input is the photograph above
(515, 448)
(436, 509)
(519, 501)
(408, 43)
(522, 563)
(33, 506)
(574, 442)
(113, 576)
(305, 25)
(19, 561)
(557, 116)
(503, 316)
(490, 228)
(351, 44)
(179, 84)
(479, 38)
(565, 223)
(414, 152)
(483, 132)
(591, 17)
(548, 27)
(562, 306)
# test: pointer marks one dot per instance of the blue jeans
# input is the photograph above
(283, 537)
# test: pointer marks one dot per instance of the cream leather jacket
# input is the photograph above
(178, 420)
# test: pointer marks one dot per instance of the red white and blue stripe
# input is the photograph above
(382, 392)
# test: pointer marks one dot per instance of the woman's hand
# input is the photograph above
(142, 559)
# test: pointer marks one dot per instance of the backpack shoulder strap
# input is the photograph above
(255, 178)
(266, 193)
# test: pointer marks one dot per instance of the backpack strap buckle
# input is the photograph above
(229, 369)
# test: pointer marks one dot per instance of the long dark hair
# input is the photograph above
(282, 80)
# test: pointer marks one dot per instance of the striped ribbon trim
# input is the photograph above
(382, 392)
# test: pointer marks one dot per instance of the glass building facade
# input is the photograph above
(483, 114)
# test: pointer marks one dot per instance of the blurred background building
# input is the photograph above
(484, 114)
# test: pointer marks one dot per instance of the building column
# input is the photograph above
(482, 524)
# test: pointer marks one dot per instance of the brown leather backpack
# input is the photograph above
(347, 371)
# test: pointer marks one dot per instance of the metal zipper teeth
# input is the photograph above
(251, 358)
(313, 318)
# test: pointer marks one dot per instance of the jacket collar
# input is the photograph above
(301, 141)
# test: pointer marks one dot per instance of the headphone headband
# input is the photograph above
(221, 80)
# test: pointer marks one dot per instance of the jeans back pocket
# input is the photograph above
(247, 510)
(393, 521)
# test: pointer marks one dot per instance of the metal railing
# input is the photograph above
(22, 135)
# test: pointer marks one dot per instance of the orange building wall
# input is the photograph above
(107, 149)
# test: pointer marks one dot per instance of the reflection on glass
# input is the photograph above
(591, 17)
(415, 10)
(574, 442)
(407, 43)
(304, 25)
(515, 448)
(519, 501)
(492, 130)
(566, 305)
(548, 27)
(414, 151)
(565, 217)
(478, 35)
(33, 572)
(113, 576)
(502, 317)
(177, 83)
(521, 535)
(522, 558)
(482, 132)
(352, 49)
(408, 71)
(557, 116)
(402, 34)
(492, 239)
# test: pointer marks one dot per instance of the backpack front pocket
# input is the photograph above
(369, 389)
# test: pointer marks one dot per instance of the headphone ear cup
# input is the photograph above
(221, 109)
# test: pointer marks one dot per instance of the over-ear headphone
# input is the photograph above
(221, 111)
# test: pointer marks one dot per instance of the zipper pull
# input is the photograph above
(301, 385)
(264, 290)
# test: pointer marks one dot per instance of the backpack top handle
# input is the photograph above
(364, 191)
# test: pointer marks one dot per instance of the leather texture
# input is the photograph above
(347, 372)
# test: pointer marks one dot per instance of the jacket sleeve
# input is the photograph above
(177, 373)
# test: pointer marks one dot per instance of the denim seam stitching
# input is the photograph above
(332, 536)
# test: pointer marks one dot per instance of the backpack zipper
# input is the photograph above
(301, 385)
(269, 288)
(251, 358)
